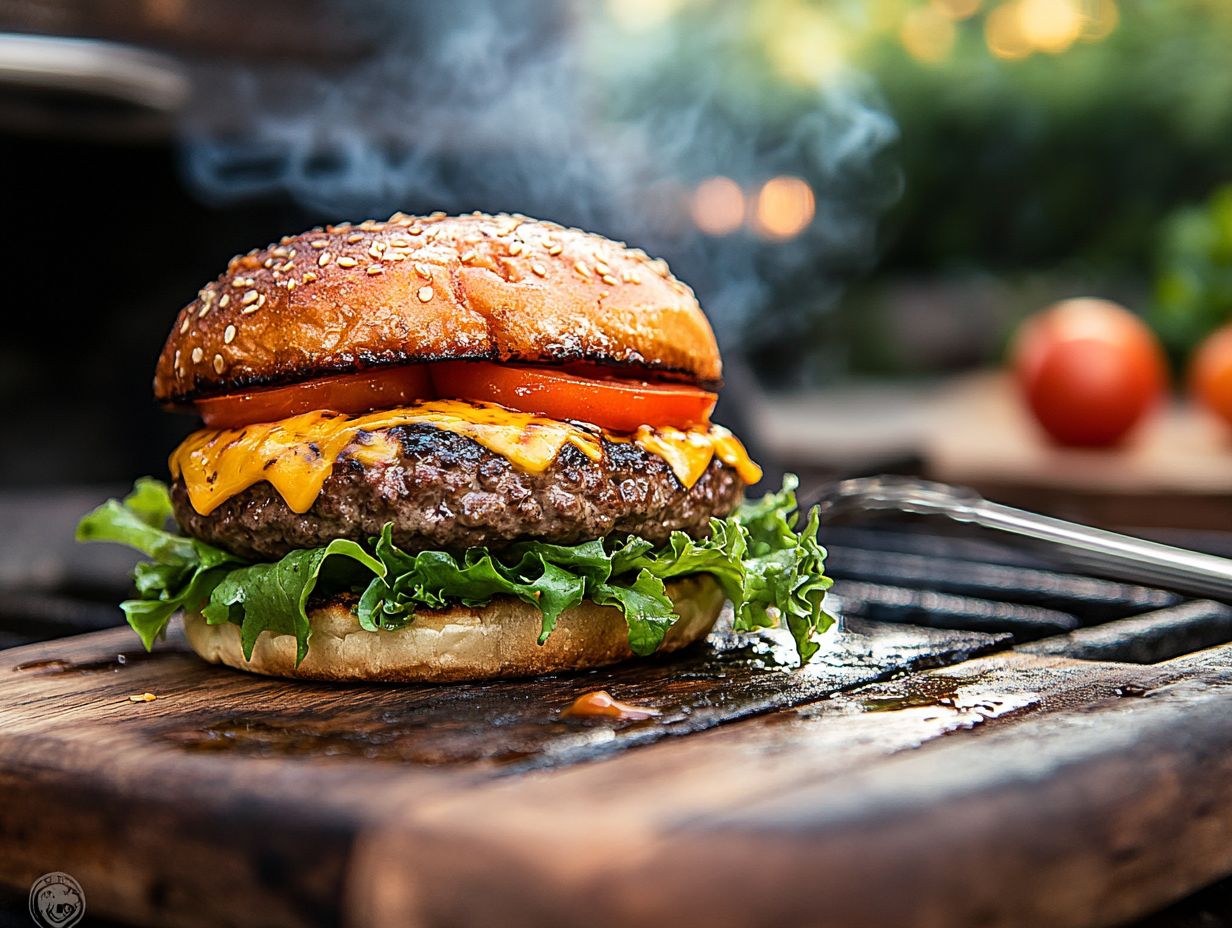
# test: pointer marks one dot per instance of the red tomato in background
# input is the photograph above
(1210, 373)
(1089, 370)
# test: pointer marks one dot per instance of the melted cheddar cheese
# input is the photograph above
(297, 454)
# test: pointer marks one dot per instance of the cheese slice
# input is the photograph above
(296, 455)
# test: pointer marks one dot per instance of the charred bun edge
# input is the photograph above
(348, 298)
(458, 643)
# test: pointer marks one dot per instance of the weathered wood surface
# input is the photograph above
(1003, 789)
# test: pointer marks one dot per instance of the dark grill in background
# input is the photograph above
(911, 574)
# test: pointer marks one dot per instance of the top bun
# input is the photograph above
(505, 288)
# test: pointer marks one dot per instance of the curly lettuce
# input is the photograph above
(770, 569)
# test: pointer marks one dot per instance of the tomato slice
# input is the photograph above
(350, 393)
(619, 405)
(613, 403)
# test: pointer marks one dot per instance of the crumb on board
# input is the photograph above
(142, 697)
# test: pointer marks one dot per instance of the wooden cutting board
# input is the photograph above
(999, 787)
(1173, 471)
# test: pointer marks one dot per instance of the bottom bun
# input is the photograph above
(459, 643)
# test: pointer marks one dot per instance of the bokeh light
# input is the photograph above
(805, 45)
(927, 35)
(718, 206)
(1099, 18)
(956, 9)
(1004, 35)
(642, 15)
(785, 207)
(1049, 25)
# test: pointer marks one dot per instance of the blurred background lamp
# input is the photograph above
(785, 207)
(718, 206)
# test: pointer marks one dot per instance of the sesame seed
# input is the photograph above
(197, 355)
(205, 296)
(539, 269)
(222, 303)
(396, 256)
(425, 294)
(468, 257)
(548, 241)
(279, 252)
(325, 258)
(602, 267)
(176, 360)
(291, 284)
(555, 249)
(377, 246)
(309, 276)
(415, 230)
(515, 247)
(242, 282)
(630, 277)
(268, 262)
(218, 364)
(250, 297)
(400, 242)
(319, 243)
(437, 216)
(354, 239)
(610, 280)
(375, 269)
(423, 271)
(345, 262)
(204, 310)
(582, 269)
(229, 335)
(184, 325)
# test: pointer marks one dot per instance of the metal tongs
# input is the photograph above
(1120, 557)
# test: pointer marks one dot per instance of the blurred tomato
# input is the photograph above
(1089, 369)
(1210, 373)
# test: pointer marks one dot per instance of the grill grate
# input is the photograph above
(909, 576)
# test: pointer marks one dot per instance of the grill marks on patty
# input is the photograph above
(447, 492)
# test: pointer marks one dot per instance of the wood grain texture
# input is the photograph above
(1003, 789)
(1175, 470)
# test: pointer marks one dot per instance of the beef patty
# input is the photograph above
(447, 492)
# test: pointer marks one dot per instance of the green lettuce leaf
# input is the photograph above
(769, 570)
(183, 572)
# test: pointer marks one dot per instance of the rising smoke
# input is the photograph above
(549, 109)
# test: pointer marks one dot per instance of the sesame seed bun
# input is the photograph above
(457, 643)
(503, 288)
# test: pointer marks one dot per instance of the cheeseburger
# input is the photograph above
(441, 448)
